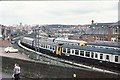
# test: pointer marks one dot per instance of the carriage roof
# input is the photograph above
(28, 38)
(93, 49)
(109, 44)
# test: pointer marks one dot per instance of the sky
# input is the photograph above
(58, 12)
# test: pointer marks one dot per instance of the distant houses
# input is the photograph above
(88, 32)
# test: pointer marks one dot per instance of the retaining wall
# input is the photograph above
(32, 69)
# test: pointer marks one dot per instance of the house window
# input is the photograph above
(68, 50)
(92, 54)
(107, 57)
(101, 56)
(87, 54)
(82, 53)
(77, 52)
(116, 58)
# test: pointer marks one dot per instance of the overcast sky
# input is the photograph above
(57, 12)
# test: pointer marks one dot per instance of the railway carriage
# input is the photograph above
(94, 56)
(28, 42)
(70, 42)
(104, 57)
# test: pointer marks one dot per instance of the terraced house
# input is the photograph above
(102, 32)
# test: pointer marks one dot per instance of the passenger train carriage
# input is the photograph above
(99, 44)
(64, 41)
(108, 58)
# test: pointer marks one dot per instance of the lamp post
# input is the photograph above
(118, 33)
(93, 29)
(103, 32)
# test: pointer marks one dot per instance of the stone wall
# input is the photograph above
(32, 69)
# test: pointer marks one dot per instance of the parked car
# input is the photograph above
(12, 42)
(10, 50)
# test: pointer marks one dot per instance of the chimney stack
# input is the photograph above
(92, 21)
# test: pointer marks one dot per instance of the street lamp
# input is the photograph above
(93, 27)
(92, 31)
(103, 32)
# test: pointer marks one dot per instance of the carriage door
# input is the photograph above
(58, 50)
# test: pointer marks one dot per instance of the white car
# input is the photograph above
(10, 49)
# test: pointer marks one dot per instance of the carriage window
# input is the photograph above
(77, 52)
(101, 56)
(116, 58)
(107, 57)
(43, 46)
(82, 53)
(51, 47)
(48, 46)
(72, 51)
(96, 55)
(64, 49)
(39, 45)
(92, 54)
(68, 50)
(87, 54)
